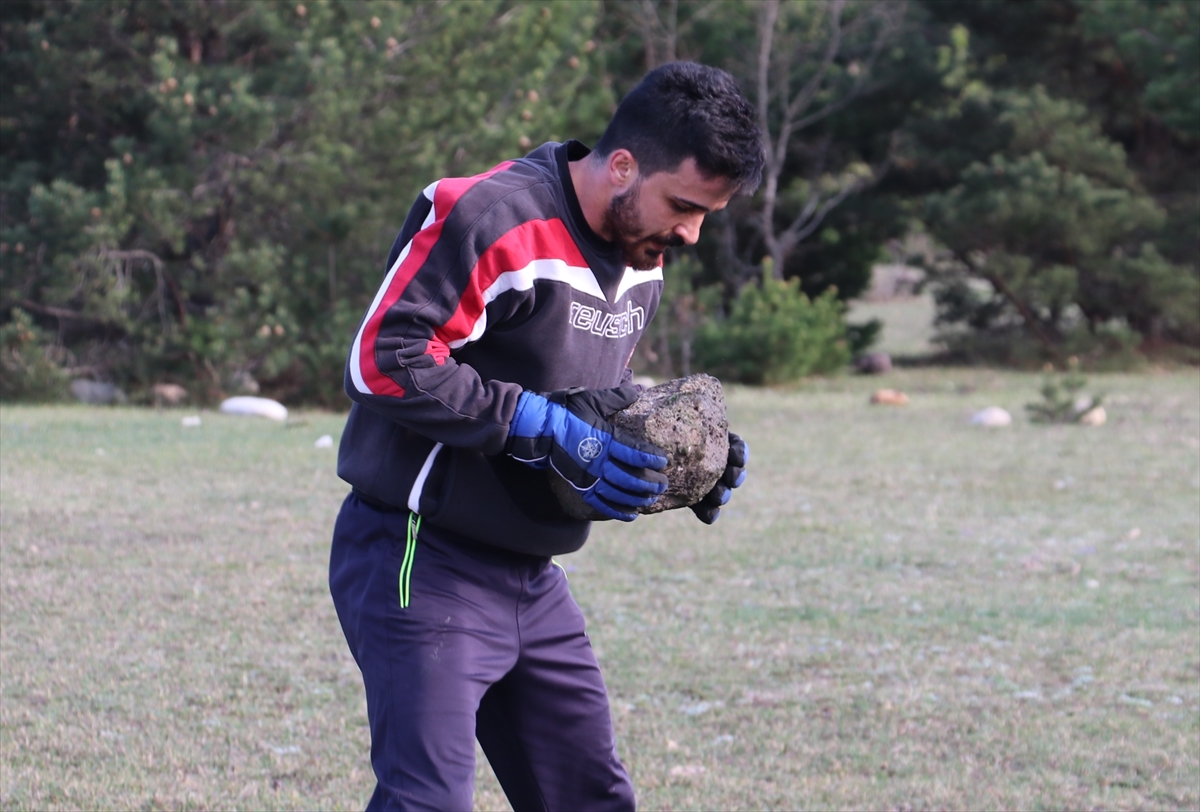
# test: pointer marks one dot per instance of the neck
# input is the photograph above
(593, 193)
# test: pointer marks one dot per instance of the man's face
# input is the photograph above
(662, 211)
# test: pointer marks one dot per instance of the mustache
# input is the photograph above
(674, 241)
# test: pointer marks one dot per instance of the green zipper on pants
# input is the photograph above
(410, 547)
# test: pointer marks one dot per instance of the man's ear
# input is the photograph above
(622, 169)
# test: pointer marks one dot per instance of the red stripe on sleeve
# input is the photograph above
(536, 239)
(448, 192)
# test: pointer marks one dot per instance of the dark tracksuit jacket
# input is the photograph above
(495, 284)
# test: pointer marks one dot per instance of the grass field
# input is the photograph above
(906, 324)
(898, 611)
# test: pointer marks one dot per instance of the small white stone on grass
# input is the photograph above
(283, 750)
(1093, 583)
(191, 421)
(255, 407)
(324, 441)
(1094, 417)
(991, 417)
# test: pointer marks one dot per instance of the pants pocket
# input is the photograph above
(404, 587)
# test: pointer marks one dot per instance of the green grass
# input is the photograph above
(898, 611)
(907, 324)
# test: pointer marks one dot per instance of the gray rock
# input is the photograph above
(874, 363)
(96, 393)
(684, 417)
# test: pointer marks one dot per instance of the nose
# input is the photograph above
(688, 229)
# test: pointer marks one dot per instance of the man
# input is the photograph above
(491, 359)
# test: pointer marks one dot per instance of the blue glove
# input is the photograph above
(709, 508)
(569, 431)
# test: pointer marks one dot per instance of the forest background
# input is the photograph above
(204, 193)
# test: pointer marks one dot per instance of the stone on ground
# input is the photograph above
(254, 407)
(992, 417)
(874, 363)
(889, 397)
(1095, 416)
(97, 393)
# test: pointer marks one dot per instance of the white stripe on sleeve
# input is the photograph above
(580, 278)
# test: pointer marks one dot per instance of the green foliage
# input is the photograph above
(1063, 400)
(1108, 347)
(861, 337)
(1054, 225)
(775, 334)
(881, 64)
(207, 192)
(30, 365)
(1158, 42)
(686, 305)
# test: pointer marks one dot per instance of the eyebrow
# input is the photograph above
(691, 205)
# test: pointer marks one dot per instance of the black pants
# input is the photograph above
(458, 641)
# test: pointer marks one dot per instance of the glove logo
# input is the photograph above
(589, 449)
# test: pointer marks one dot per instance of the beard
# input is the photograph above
(623, 222)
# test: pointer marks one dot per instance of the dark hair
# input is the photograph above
(683, 110)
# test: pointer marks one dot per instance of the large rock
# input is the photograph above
(684, 417)
(254, 407)
(874, 363)
(97, 393)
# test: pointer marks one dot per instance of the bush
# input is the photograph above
(775, 334)
(1063, 400)
(30, 364)
(1109, 348)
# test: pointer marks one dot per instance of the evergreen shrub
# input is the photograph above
(31, 366)
(774, 334)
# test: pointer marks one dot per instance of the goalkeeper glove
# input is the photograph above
(568, 431)
(709, 508)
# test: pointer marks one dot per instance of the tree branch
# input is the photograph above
(813, 86)
(864, 72)
(133, 255)
(59, 312)
(1028, 317)
(800, 227)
